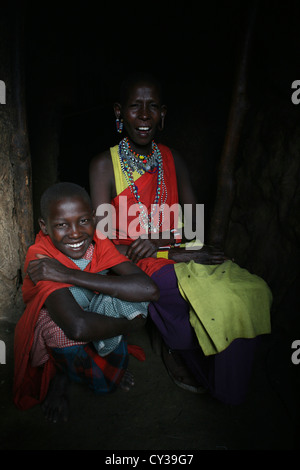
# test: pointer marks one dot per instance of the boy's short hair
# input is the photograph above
(60, 191)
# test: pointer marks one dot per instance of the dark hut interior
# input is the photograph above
(74, 59)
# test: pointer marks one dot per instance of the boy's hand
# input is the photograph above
(47, 269)
(137, 323)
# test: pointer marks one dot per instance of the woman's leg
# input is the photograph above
(225, 375)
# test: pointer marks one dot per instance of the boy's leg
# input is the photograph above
(82, 364)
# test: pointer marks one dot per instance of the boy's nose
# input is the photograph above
(74, 231)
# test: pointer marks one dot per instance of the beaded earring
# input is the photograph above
(162, 123)
(119, 125)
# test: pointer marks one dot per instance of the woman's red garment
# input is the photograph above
(147, 186)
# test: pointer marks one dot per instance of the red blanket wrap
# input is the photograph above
(147, 187)
(31, 383)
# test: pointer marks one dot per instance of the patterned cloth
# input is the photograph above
(83, 365)
(49, 335)
(106, 305)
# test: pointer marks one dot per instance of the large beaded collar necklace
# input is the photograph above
(136, 161)
(131, 161)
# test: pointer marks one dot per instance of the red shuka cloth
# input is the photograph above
(147, 186)
(31, 383)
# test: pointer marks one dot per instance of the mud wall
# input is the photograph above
(16, 227)
(264, 231)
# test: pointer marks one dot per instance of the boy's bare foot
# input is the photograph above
(56, 403)
(127, 381)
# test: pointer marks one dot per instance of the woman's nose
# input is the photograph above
(144, 112)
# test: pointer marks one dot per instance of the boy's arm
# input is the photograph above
(80, 325)
(130, 283)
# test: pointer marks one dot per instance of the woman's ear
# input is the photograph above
(163, 112)
(117, 110)
(119, 120)
(43, 226)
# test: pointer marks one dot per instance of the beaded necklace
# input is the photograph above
(130, 162)
(136, 161)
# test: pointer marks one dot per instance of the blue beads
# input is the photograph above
(130, 162)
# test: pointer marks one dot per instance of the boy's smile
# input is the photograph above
(71, 225)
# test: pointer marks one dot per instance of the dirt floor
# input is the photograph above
(157, 415)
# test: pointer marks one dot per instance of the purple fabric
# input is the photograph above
(227, 374)
(171, 312)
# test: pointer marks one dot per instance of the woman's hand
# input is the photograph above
(47, 269)
(145, 246)
(141, 248)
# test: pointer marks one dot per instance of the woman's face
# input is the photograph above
(142, 113)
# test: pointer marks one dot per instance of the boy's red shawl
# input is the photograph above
(31, 383)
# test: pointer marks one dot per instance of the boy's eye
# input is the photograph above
(61, 225)
(84, 221)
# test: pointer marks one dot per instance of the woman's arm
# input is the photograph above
(205, 255)
(102, 182)
(146, 246)
(143, 247)
(186, 193)
(80, 325)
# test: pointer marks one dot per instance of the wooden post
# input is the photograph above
(238, 110)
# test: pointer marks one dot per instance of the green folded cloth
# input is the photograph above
(226, 302)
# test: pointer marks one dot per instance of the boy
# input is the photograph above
(53, 337)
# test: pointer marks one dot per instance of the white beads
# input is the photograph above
(129, 163)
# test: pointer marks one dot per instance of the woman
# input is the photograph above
(141, 181)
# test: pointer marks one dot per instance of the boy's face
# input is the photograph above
(70, 225)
